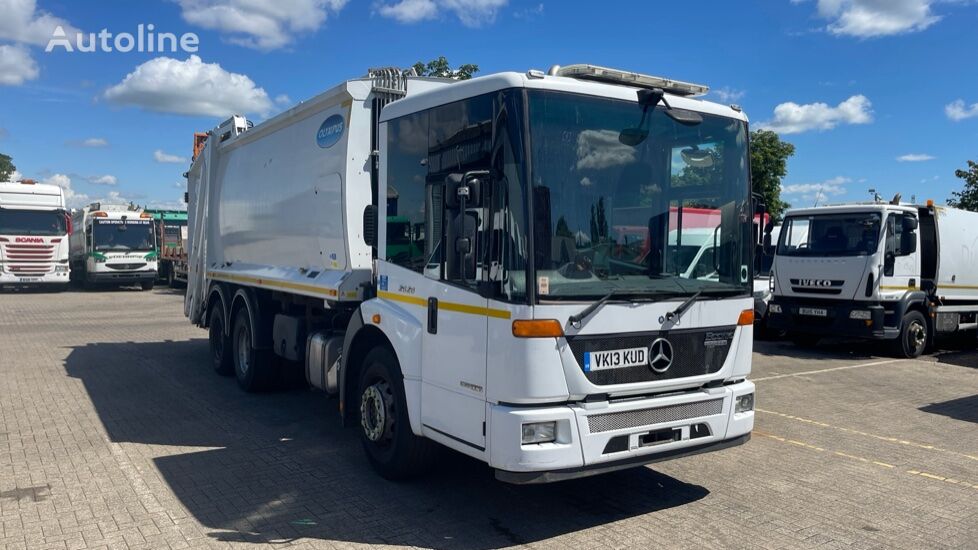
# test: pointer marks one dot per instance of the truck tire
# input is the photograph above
(147, 285)
(912, 340)
(171, 280)
(252, 366)
(385, 431)
(220, 344)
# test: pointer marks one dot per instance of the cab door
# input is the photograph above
(901, 258)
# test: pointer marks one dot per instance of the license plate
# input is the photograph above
(814, 311)
(615, 359)
(29, 279)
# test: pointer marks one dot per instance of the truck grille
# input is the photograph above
(126, 267)
(598, 423)
(28, 260)
(695, 352)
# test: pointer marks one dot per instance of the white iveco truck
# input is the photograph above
(896, 272)
(115, 245)
(492, 265)
(34, 230)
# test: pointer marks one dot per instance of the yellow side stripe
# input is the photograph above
(939, 287)
(447, 306)
(272, 283)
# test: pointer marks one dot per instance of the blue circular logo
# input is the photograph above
(330, 131)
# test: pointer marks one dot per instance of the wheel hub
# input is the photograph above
(244, 349)
(376, 412)
(917, 335)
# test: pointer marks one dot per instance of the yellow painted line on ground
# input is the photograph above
(833, 369)
(271, 283)
(864, 460)
(868, 434)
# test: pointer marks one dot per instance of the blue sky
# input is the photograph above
(856, 85)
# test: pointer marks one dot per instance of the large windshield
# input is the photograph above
(122, 235)
(42, 223)
(830, 235)
(668, 214)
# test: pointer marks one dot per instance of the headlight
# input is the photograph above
(863, 314)
(774, 308)
(539, 432)
(745, 403)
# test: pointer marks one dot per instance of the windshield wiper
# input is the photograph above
(620, 292)
(678, 312)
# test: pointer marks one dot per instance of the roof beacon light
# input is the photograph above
(615, 76)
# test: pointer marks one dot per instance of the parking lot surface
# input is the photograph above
(114, 432)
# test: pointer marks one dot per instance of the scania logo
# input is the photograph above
(660, 355)
(815, 282)
(28, 240)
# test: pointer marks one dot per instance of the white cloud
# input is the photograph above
(283, 100)
(21, 22)
(260, 24)
(166, 158)
(599, 149)
(89, 143)
(472, 13)
(915, 157)
(107, 179)
(74, 199)
(727, 94)
(15, 176)
(16, 65)
(792, 118)
(189, 87)
(817, 192)
(957, 110)
(872, 18)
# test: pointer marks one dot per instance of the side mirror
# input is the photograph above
(465, 188)
(370, 225)
(768, 246)
(909, 224)
(463, 246)
(908, 243)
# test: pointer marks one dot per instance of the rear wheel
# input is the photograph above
(385, 431)
(219, 342)
(913, 338)
(171, 280)
(252, 366)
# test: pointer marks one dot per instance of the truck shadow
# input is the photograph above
(827, 349)
(278, 467)
(963, 408)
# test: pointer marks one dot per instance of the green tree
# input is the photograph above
(768, 165)
(7, 167)
(967, 198)
(440, 68)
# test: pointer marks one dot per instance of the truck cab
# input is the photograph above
(115, 245)
(856, 270)
(34, 231)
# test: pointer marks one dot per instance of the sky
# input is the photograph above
(879, 94)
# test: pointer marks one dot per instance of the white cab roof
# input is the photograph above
(458, 91)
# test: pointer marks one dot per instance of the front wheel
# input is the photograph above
(385, 431)
(147, 285)
(912, 340)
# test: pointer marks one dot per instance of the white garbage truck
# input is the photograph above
(115, 245)
(34, 230)
(459, 263)
(896, 272)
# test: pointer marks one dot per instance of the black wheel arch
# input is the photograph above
(360, 338)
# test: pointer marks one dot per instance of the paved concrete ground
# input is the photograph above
(115, 433)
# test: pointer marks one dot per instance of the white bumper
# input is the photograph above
(8, 278)
(599, 437)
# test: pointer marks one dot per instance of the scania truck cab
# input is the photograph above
(896, 272)
(34, 230)
(504, 278)
(114, 245)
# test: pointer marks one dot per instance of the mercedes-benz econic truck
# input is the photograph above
(498, 265)
(115, 244)
(896, 272)
(34, 230)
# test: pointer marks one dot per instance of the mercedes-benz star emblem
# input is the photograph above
(660, 355)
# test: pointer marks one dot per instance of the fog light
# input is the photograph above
(860, 314)
(539, 432)
(744, 403)
(774, 308)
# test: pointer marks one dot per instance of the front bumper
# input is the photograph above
(59, 278)
(599, 437)
(122, 277)
(882, 325)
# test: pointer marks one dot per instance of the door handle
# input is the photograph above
(432, 315)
